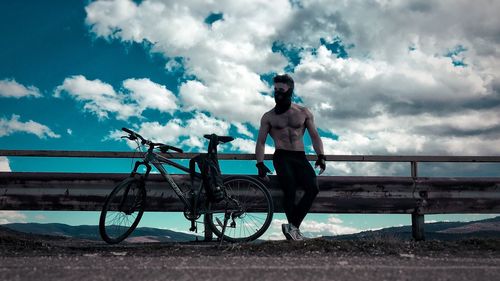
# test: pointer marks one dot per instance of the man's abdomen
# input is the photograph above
(288, 140)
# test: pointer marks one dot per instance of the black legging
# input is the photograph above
(294, 170)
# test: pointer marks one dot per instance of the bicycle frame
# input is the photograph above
(158, 161)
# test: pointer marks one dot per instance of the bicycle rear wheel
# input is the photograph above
(254, 213)
(122, 210)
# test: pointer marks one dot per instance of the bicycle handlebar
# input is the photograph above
(163, 147)
(167, 147)
(134, 135)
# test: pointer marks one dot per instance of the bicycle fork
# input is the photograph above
(136, 166)
(123, 207)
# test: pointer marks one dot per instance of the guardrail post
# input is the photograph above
(417, 218)
(208, 231)
(417, 226)
(414, 169)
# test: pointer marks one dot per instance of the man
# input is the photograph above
(286, 123)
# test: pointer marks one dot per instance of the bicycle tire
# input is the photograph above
(119, 205)
(259, 223)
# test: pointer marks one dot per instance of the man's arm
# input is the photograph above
(316, 141)
(313, 132)
(265, 126)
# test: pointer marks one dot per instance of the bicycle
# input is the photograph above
(124, 206)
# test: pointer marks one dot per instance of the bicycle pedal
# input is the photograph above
(194, 227)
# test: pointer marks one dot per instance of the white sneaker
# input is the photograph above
(285, 228)
(302, 235)
(295, 233)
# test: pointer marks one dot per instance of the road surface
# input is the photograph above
(119, 266)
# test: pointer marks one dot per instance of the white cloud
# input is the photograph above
(227, 57)
(388, 28)
(242, 129)
(172, 65)
(380, 109)
(5, 165)
(195, 142)
(202, 124)
(354, 143)
(329, 228)
(148, 94)
(248, 146)
(398, 92)
(334, 220)
(311, 228)
(193, 129)
(9, 88)
(40, 217)
(388, 99)
(11, 217)
(101, 98)
(171, 132)
(8, 127)
(238, 104)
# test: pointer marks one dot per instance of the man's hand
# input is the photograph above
(263, 171)
(321, 162)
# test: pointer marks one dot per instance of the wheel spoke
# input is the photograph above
(253, 221)
(122, 211)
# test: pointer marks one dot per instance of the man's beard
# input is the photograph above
(283, 101)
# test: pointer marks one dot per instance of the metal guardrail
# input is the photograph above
(229, 156)
(389, 195)
(392, 195)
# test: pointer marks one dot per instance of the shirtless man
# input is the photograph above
(286, 123)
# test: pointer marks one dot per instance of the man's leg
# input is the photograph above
(306, 176)
(286, 182)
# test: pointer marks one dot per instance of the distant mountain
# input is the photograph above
(91, 232)
(488, 228)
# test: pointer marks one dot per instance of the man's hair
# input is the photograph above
(285, 78)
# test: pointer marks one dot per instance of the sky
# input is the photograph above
(381, 78)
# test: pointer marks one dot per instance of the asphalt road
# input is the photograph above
(120, 266)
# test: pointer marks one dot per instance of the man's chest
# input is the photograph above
(293, 121)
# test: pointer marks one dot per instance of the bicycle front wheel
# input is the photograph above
(252, 210)
(122, 210)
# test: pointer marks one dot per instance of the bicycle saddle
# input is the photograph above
(217, 139)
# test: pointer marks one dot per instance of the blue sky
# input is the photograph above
(387, 78)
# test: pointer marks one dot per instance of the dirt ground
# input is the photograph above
(13, 243)
(35, 257)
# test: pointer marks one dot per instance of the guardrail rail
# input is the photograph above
(338, 194)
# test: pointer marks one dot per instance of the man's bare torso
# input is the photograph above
(287, 129)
